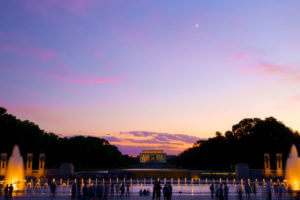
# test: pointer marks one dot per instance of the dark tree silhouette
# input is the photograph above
(83, 152)
(246, 142)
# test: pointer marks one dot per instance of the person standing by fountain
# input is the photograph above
(169, 191)
(226, 190)
(154, 190)
(254, 190)
(221, 192)
(240, 192)
(217, 190)
(106, 191)
(112, 189)
(212, 190)
(10, 192)
(117, 189)
(6, 192)
(127, 190)
(78, 190)
(247, 190)
(73, 190)
(158, 191)
(269, 191)
(122, 190)
(165, 192)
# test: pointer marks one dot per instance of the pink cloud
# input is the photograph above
(240, 55)
(99, 54)
(264, 68)
(93, 81)
(72, 6)
(89, 80)
(295, 99)
(134, 142)
(271, 69)
(35, 52)
(285, 73)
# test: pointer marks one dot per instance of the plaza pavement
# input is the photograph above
(134, 197)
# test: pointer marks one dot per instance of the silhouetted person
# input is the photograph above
(276, 190)
(117, 189)
(127, 190)
(240, 192)
(165, 192)
(169, 191)
(290, 191)
(254, 189)
(281, 191)
(6, 192)
(269, 191)
(85, 192)
(10, 191)
(158, 191)
(247, 190)
(154, 190)
(1, 186)
(217, 190)
(99, 191)
(112, 189)
(212, 190)
(73, 191)
(52, 189)
(106, 191)
(221, 192)
(122, 190)
(92, 191)
(78, 190)
(226, 191)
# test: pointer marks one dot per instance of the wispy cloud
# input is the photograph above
(71, 6)
(85, 79)
(15, 43)
(285, 73)
(133, 142)
(35, 52)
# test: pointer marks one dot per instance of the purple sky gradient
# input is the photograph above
(193, 67)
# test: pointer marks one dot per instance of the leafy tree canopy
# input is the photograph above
(247, 141)
(83, 152)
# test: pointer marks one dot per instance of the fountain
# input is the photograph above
(293, 169)
(15, 170)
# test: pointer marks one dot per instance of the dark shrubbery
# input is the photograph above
(246, 142)
(83, 152)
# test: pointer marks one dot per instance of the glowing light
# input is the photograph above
(15, 170)
(293, 169)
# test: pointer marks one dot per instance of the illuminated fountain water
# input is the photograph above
(15, 170)
(293, 169)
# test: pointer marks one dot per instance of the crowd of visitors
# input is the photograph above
(248, 191)
(167, 191)
(99, 191)
(218, 191)
(8, 191)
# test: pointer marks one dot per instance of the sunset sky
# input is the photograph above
(149, 73)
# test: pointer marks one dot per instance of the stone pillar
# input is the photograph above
(42, 159)
(3, 163)
(29, 160)
(279, 170)
(267, 164)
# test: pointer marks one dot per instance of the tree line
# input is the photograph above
(247, 142)
(84, 152)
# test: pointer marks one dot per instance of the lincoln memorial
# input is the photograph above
(153, 156)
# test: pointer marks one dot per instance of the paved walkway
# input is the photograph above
(175, 197)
